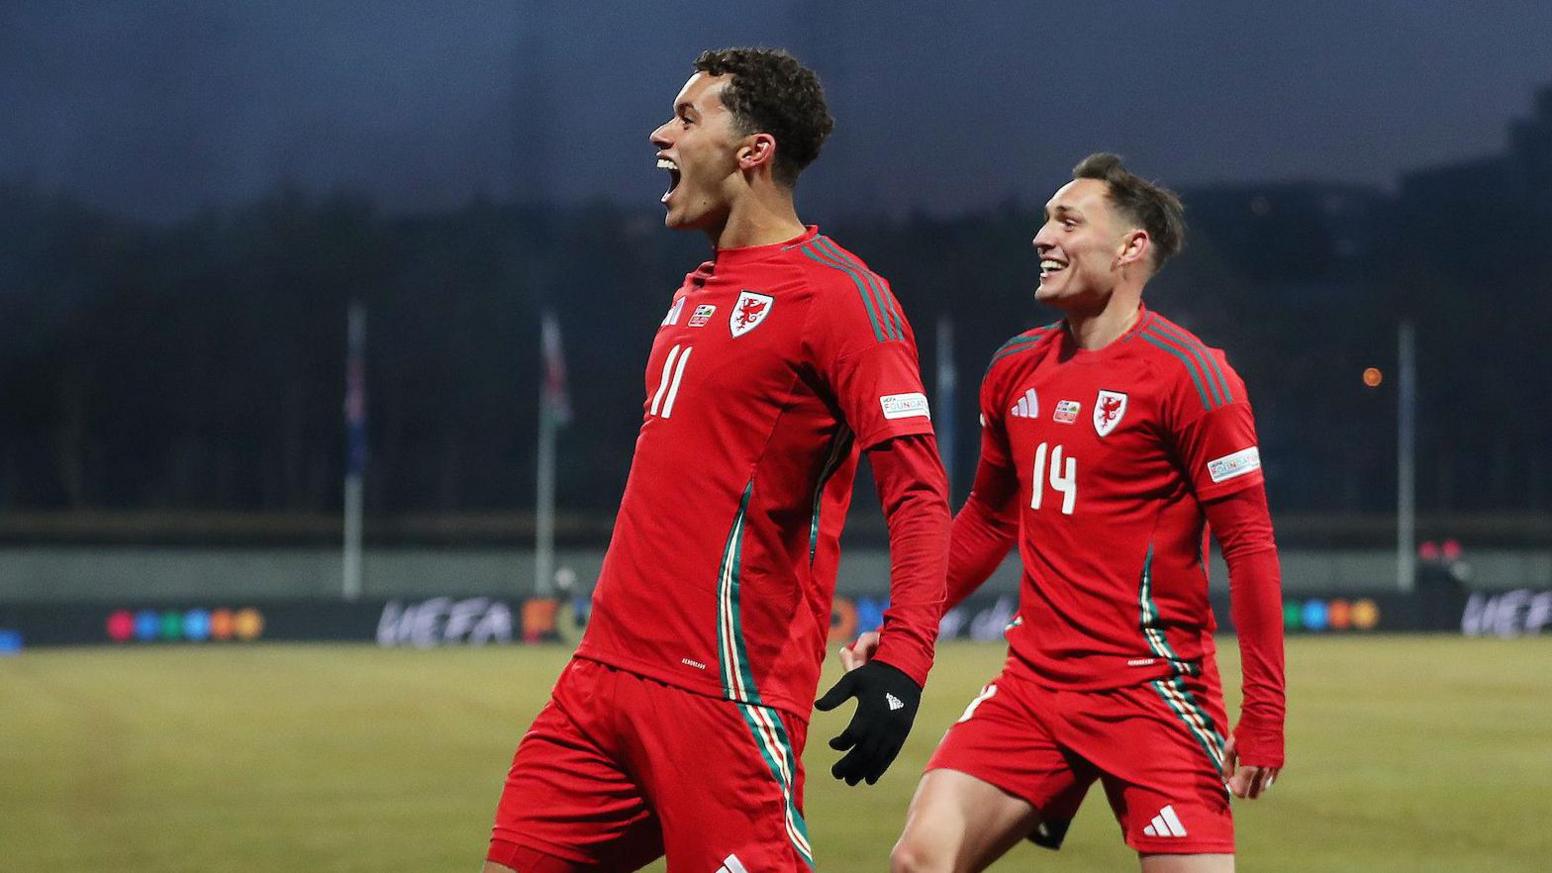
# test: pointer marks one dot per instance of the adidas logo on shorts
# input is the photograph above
(1165, 824)
(731, 864)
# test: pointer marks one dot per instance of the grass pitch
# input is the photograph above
(1405, 754)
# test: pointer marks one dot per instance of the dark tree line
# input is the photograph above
(200, 365)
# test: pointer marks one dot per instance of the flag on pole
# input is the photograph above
(555, 401)
(355, 393)
(355, 448)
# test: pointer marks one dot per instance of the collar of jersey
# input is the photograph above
(733, 257)
(1072, 354)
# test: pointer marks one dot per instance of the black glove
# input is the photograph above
(886, 706)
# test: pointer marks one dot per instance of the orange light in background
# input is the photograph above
(1372, 377)
(221, 624)
(1365, 614)
(248, 624)
(843, 620)
(1341, 615)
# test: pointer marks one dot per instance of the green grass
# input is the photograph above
(1405, 754)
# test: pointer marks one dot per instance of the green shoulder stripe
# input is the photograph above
(867, 299)
(886, 301)
(1203, 355)
(878, 315)
(1023, 341)
(1209, 401)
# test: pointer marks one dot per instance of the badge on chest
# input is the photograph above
(751, 309)
(1109, 409)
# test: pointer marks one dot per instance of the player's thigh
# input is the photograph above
(1205, 863)
(568, 798)
(959, 823)
(623, 856)
(725, 779)
(1000, 744)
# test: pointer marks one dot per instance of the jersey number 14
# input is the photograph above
(1064, 478)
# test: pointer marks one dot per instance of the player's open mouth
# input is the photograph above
(673, 176)
(1048, 266)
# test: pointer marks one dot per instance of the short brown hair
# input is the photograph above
(772, 93)
(1148, 205)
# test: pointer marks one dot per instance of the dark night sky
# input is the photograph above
(155, 108)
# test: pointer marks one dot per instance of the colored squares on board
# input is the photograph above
(195, 625)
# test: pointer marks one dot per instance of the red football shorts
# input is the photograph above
(1155, 747)
(619, 770)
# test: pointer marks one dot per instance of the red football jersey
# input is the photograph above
(774, 367)
(1114, 449)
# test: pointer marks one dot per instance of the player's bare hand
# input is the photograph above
(860, 650)
(1245, 780)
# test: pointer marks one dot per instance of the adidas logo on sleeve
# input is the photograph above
(1165, 824)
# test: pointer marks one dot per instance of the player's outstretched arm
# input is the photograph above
(982, 534)
(914, 492)
(984, 529)
(1253, 756)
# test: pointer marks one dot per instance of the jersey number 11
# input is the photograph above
(668, 386)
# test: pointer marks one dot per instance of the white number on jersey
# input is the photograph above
(1064, 480)
(673, 373)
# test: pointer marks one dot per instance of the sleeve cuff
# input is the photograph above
(915, 666)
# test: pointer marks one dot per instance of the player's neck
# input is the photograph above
(760, 218)
(1097, 329)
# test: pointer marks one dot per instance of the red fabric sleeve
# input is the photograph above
(871, 366)
(1243, 526)
(984, 529)
(913, 489)
(1216, 433)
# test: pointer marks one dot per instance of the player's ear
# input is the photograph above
(758, 150)
(1133, 248)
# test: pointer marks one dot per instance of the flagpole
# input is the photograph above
(355, 447)
(544, 503)
(1406, 464)
(553, 412)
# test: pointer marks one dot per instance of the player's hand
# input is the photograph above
(860, 651)
(1245, 780)
(886, 707)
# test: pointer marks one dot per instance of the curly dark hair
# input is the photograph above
(1149, 205)
(772, 93)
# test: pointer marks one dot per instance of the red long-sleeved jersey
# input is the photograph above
(1105, 465)
(775, 366)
